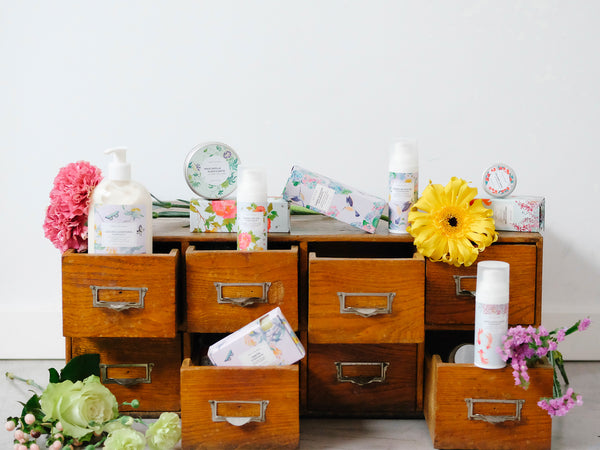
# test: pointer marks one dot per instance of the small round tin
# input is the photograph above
(499, 180)
(211, 170)
(462, 354)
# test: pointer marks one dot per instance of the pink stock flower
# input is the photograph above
(65, 223)
(523, 346)
(584, 324)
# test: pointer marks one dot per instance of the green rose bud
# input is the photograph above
(77, 405)
(125, 439)
(165, 432)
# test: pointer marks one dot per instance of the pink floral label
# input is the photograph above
(252, 226)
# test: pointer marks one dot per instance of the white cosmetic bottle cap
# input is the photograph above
(404, 156)
(118, 169)
(492, 282)
(252, 184)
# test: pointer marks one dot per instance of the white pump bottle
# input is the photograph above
(403, 183)
(120, 218)
(491, 312)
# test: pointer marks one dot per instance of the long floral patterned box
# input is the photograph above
(219, 216)
(267, 341)
(518, 213)
(334, 199)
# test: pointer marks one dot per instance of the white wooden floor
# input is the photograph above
(579, 430)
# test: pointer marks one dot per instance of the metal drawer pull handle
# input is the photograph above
(125, 381)
(459, 290)
(238, 421)
(361, 380)
(365, 312)
(118, 306)
(495, 419)
(243, 301)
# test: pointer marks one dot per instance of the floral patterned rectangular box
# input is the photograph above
(218, 216)
(518, 213)
(334, 199)
(267, 341)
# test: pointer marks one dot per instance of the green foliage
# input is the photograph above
(81, 367)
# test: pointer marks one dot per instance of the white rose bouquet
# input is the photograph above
(75, 410)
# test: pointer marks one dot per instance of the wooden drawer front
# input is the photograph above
(366, 300)
(445, 307)
(119, 296)
(270, 275)
(126, 366)
(239, 407)
(363, 380)
(449, 386)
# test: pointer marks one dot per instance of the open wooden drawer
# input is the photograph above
(467, 407)
(239, 407)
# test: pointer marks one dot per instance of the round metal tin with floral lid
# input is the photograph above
(499, 180)
(211, 170)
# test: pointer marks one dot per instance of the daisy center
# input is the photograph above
(450, 220)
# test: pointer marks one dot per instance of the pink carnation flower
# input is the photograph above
(584, 324)
(65, 223)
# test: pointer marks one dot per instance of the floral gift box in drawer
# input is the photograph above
(120, 295)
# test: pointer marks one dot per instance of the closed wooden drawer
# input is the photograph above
(363, 380)
(468, 407)
(445, 306)
(142, 369)
(119, 295)
(239, 407)
(227, 289)
(366, 300)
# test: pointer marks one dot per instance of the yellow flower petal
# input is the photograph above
(448, 224)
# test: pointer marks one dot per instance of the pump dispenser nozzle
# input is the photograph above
(118, 169)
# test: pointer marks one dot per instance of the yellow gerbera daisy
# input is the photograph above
(449, 225)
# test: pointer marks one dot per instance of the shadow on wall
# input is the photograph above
(571, 291)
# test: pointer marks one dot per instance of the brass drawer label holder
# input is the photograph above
(118, 306)
(365, 312)
(238, 421)
(243, 301)
(494, 419)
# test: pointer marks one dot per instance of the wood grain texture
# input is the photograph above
(396, 396)
(278, 385)
(162, 394)
(405, 277)
(444, 307)
(448, 385)
(157, 272)
(205, 267)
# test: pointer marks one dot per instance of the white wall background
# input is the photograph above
(325, 84)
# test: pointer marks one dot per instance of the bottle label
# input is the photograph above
(120, 229)
(491, 324)
(402, 195)
(252, 226)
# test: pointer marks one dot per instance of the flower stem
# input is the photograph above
(556, 390)
(12, 376)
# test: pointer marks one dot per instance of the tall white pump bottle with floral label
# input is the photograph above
(120, 218)
(251, 203)
(403, 183)
(491, 312)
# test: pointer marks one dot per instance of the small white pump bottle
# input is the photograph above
(251, 202)
(491, 312)
(120, 218)
(403, 184)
